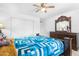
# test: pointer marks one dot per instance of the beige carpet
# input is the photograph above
(75, 53)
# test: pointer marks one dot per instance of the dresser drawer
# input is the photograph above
(56, 36)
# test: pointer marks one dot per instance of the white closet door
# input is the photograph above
(22, 27)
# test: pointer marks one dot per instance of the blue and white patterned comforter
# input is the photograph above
(39, 46)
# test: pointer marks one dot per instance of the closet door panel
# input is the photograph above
(22, 27)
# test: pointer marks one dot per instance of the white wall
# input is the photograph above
(42, 27)
(49, 24)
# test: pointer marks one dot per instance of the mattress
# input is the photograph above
(39, 46)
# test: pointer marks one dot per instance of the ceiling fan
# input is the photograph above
(42, 7)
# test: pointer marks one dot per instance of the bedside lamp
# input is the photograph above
(2, 36)
(1, 27)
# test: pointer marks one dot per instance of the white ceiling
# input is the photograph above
(29, 9)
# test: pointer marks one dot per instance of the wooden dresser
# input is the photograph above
(63, 35)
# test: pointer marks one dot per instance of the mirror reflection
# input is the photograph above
(63, 24)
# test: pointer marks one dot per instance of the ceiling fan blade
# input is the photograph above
(36, 5)
(50, 6)
(37, 10)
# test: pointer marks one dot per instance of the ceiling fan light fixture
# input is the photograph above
(43, 9)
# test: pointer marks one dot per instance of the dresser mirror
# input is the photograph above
(63, 23)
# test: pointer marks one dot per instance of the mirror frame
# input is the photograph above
(63, 18)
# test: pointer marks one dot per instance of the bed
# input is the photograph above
(42, 46)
